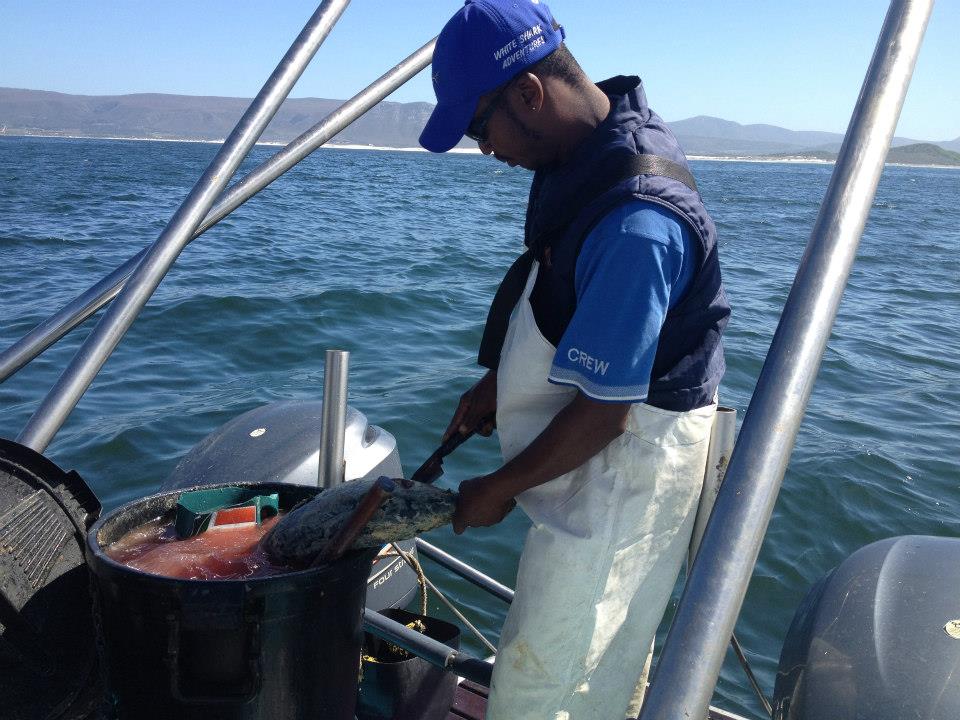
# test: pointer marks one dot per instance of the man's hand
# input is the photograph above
(475, 404)
(480, 504)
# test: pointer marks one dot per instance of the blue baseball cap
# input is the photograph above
(484, 45)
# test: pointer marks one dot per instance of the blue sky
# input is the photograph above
(797, 65)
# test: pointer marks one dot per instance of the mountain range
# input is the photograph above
(388, 124)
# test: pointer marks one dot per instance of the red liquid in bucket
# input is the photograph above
(224, 552)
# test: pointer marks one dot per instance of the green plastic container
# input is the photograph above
(195, 508)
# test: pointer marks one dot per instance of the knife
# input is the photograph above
(433, 467)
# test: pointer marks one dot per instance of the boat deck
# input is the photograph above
(470, 703)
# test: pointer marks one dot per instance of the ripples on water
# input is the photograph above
(395, 256)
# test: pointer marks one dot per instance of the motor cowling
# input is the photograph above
(279, 442)
(877, 638)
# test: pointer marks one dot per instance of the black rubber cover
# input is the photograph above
(48, 668)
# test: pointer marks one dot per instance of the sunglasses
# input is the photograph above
(477, 129)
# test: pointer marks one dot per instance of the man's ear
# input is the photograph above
(531, 90)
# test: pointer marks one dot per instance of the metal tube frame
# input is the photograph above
(334, 422)
(88, 303)
(691, 659)
(411, 560)
(458, 567)
(693, 654)
(66, 393)
(433, 651)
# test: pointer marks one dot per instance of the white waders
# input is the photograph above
(606, 545)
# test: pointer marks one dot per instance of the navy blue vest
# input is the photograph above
(562, 210)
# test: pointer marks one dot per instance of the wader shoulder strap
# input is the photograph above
(505, 299)
(656, 165)
(511, 287)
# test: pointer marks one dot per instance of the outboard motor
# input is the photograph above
(877, 638)
(279, 442)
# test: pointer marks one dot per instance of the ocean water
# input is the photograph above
(395, 256)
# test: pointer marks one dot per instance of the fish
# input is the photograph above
(303, 533)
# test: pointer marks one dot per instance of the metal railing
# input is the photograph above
(88, 303)
(691, 659)
(468, 573)
(433, 651)
(690, 662)
(83, 306)
(334, 421)
(66, 393)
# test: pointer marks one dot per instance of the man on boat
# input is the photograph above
(603, 353)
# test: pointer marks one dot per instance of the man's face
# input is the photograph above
(504, 132)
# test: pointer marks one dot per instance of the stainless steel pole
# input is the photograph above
(691, 659)
(85, 305)
(330, 459)
(63, 321)
(471, 574)
(322, 132)
(61, 400)
(433, 651)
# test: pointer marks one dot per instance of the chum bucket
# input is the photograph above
(397, 685)
(285, 646)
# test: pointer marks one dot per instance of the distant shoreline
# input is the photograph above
(799, 160)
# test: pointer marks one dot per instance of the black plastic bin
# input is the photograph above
(406, 687)
(285, 647)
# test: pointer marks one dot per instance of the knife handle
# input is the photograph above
(457, 439)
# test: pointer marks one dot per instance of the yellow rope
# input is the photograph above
(415, 564)
(423, 579)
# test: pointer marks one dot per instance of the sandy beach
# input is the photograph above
(462, 151)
